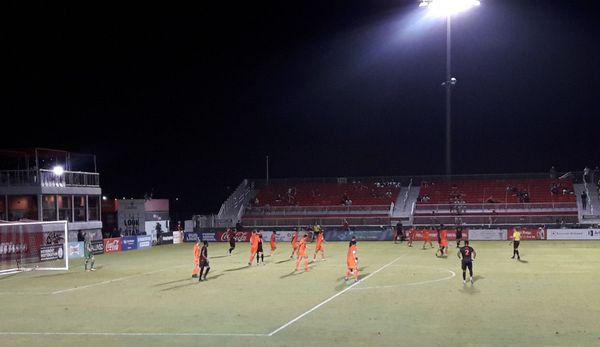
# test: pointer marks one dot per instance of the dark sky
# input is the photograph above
(188, 101)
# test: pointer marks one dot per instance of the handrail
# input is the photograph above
(497, 206)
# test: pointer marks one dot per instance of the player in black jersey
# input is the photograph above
(458, 236)
(467, 254)
(204, 261)
(259, 252)
(231, 235)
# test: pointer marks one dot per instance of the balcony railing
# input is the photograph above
(47, 178)
(318, 210)
(498, 207)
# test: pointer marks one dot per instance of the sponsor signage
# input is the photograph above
(75, 250)
(144, 241)
(526, 233)
(573, 234)
(240, 236)
(112, 245)
(488, 234)
(128, 243)
(386, 234)
(282, 236)
(211, 237)
(191, 236)
(433, 237)
(177, 237)
(97, 246)
(166, 238)
(51, 252)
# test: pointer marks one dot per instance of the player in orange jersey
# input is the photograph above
(443, 242)
(302, 253)
(253, 246)
(352, 260)
(273, 243)
(319, 247)
(294, 243)
(196, 259)
(426, 239)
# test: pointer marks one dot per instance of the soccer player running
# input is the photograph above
(294, 243)
(196, 258)
(443, 237)
(253, 246)
(399, 233)
(302, 254)
(411, 237)
(516, 240)
(352, 261)
(203, 261)
(426, 238)
(89, 256)
(273, 243)
(319, 247)
(231, 235)
(467, 254)
(458, 236)
(259, 250)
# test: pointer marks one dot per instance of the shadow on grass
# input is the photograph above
(350, 281)
(469, 289)
(192, 283)
(523, 261)
(219, 256)
(478, 278)
(238, 268)
(283, 261)
(171, 282)
(288, 275)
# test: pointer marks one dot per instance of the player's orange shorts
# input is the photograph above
(253, 249)
(273, 246)
(319, 247)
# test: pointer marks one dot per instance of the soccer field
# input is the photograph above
(406, 296)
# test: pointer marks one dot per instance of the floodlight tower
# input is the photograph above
(448, 8)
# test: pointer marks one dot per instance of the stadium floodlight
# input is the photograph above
(448, 8)
(104, 197)
(58, 170)
(444, 8)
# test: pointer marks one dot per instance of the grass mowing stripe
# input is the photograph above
(333, 297)
(26, 333)
(452, 275)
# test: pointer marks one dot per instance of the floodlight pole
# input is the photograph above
(448, 85)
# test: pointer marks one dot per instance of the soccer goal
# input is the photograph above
(26, 246)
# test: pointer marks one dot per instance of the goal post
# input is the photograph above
(26, 246)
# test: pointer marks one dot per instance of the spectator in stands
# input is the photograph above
(584, 199)
(586, 175)
(552, 173)
(491, 200)
(555, 189)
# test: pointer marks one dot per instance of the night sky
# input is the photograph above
(188, 101)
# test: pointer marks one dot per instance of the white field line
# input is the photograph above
(332, 297)
(30, 333)
(113, 280)
(452, 275)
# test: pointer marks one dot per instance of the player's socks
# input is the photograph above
(471, 279)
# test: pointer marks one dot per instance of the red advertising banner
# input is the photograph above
(112, 245)
(451, 233)
(240, 236)
(528, 233)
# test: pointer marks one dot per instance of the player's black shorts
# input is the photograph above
(259, 249)
(516, 244)
(467, 264)
(204, 263)
(458, 237)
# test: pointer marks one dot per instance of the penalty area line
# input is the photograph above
(113, 280)
(333, 297)
(31, 333)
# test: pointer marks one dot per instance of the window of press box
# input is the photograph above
(94, 207)
(22, 207)
(79, 208)
(49, 207)
(64, 208)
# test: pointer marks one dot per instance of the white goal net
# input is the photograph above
(26, 246)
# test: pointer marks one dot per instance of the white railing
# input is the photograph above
(69, 179)
(318, 210)
(498, 207)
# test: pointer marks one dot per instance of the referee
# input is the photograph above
(516, 241)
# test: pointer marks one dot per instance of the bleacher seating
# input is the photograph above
(500, 191)
(355, 193)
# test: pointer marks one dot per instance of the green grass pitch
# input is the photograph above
(406, 297)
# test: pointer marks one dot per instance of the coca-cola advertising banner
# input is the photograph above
(112, 245)
(240, 236)
(527, 233)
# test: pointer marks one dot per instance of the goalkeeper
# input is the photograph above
(89, 256)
